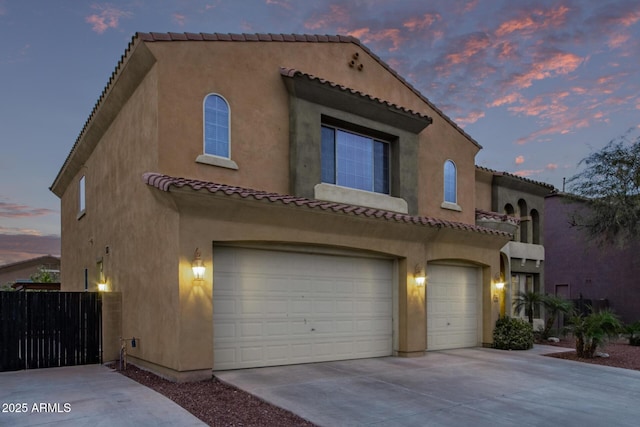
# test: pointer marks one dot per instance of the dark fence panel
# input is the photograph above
(49, 329)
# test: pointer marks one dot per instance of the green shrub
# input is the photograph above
(633, 333)
(512, 334)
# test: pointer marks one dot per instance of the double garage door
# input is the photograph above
(277, 308)
(453, 307)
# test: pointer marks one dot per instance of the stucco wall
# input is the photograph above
(595, 271)
(248, 76)
(145, 238)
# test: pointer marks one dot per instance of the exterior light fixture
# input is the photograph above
(420, 276)
(499, 281)
(102, 287)
(198, 266)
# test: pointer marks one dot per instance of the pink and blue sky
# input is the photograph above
(539, 84)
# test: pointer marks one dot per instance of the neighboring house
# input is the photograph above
(22, 271)
(313, 185)
(603, 274)
(523, 258)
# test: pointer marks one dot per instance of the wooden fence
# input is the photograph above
(49, 329)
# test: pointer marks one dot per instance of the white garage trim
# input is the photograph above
(277, 308)
(454, 306)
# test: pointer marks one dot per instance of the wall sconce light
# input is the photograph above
(420, 276)
(198, 266)
(499, 281)
(102, 287)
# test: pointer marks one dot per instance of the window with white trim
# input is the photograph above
(216, 126)
(353, 160)
(450, 182)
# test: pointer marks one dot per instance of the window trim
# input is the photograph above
(449, 204)
(369, 136)
(209, 158)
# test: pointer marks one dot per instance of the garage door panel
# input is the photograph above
(309, 308)
(452, 307)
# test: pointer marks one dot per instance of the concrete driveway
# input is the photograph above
(466, 387)
(90, 395)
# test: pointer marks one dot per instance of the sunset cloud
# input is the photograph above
(551, 166)
(179, 19)
(552, 65)
(519, 160)
(386, 36)
(337, 15)
(18, 247)
(532, 21)
(421, 22)
(469, 46)
(13, 210)
(107, 17)
(470, 118)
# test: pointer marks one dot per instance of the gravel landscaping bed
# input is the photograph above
(621, 354)
(217, 403)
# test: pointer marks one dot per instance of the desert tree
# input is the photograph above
(609, 186)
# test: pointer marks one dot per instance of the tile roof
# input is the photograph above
(292, 72)
(482, 214)
(165, 182)
(531, 181)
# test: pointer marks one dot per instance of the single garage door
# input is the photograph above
(452, 307)
(277, 308)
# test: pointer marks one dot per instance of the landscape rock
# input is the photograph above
(553, 339)
(601, 354)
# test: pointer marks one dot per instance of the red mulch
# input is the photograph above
(217, 403)
(621, 354)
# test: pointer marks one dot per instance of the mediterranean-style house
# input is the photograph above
(523, 258)
(601, 274)
(250, 200)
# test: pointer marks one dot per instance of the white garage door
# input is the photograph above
(452, 307)
(278, 308)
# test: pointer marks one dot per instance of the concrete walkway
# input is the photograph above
(90, 395)
(466, 387)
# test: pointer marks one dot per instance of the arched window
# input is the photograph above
(450, 182)
(525, 222)
(216, 126)
(535, 226)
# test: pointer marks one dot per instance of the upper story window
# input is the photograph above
(450, 182)
(217, 133)
(81, 196)
(216, 126)
(355, 161)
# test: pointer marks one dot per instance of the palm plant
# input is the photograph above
(553, 306)
(593, 330)
(528, 301)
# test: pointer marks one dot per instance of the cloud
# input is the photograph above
(507, 99)
(532, 21)
(548, 65)
(551, 166)
(107, 17)
(418, 23)
(337, 15)
(519, 160)
(179, 19)
(470, 118)
(13, 210)
(282, 3)
(468, 46)
(18, 247)
(384, 36)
